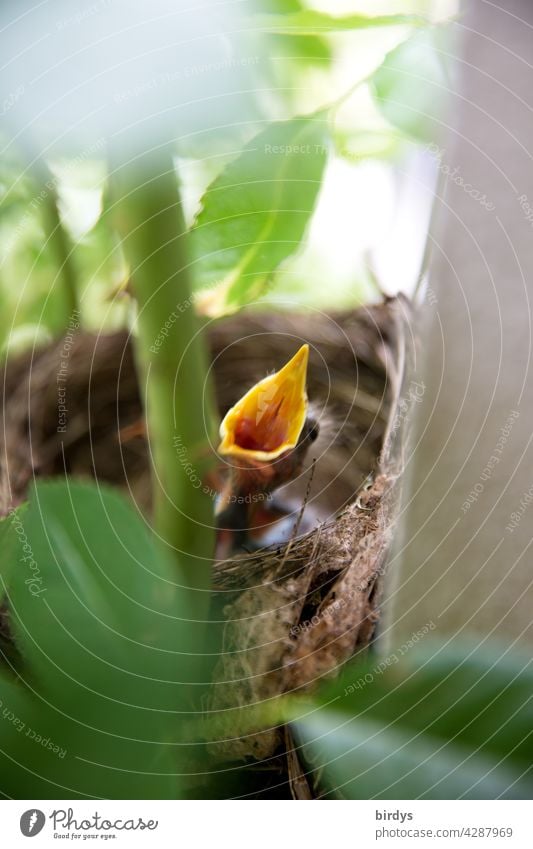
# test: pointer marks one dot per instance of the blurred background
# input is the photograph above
(369, 228)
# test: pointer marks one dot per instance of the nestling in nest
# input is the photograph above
(265, 437)
(294, 611)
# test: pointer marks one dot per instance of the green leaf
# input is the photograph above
(97, 616)
(441, 723)
(364, 760)
(7, 550)
(312, 48)
(410, 85)
(34, 759)
(12, 545)
(307, 47)
(368, 144)
(280, 7)
(309, 22)
(255, 213)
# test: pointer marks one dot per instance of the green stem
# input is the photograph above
(57, 236)
(173, 365)
(59, 242)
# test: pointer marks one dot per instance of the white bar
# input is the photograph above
(273, 825)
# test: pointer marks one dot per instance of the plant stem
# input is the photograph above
(57, 236)
(172, 365)
(59, 241)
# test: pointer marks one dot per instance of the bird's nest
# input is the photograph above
(292, 613)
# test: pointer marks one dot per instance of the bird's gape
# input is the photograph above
(262, 432)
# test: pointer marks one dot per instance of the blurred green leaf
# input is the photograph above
(11, 547)
(410, 84)
(15, 185)
(440, 724)
(309, 22)
(280, 7)
(368, 144)
(32, 293)
(255, 213)
(312, 48)
(309, 47)
(97, 617)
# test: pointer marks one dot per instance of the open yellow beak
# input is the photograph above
(268, 420)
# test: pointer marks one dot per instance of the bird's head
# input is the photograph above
(268, 430)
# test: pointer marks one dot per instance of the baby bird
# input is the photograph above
(266, 436)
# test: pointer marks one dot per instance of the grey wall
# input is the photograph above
(459, 567)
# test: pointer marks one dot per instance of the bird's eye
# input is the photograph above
(313, 431)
